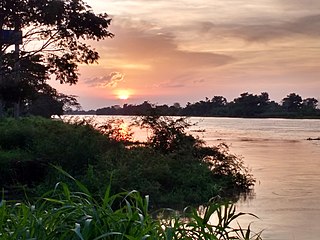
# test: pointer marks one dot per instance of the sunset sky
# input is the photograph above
(167, 51)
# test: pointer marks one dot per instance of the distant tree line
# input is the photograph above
(246, 105)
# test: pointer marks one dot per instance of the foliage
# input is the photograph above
(45, 105)
(173, 167)
(292, 103)
(53, 34)
(247, 105)
(228, 167)
(64, 214)
(168, 134)
(169, 137)
(160, 176)
(40, 141)
(117, 130)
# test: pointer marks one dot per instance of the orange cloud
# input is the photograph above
(110, 80)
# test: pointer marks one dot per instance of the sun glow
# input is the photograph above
(123, 94)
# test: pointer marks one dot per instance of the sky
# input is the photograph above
(167, 51)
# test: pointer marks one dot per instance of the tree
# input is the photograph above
(250, 105)
(309, 106)
(46, 106)
(218, 106)
(264, 99)
(219, 101)
(292, 103)
(310, 103)
(176, 105)
(54, 34)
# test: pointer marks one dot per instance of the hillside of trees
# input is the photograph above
(246, 105)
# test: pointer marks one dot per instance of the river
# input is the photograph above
(287, 168)
(285, 164)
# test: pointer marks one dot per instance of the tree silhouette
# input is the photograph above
(54, 43)
(292, 103)
(309, 106)
(310, 103)
(249, 105)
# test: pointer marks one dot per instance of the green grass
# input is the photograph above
(65, 214)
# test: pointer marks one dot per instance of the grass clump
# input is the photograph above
(65, 214)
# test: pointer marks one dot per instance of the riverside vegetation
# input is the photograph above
(248, 105)
(63, 214)
(174, 168)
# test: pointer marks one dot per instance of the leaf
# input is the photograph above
(78, 183)
(77, 231)
(107, 235)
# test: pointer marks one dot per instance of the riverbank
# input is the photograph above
(171, 169)
(30, 146)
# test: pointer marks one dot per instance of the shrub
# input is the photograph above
(173, 167)
(40, 141)
(168, 134)
(169, 137)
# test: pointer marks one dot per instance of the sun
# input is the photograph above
(123, 94)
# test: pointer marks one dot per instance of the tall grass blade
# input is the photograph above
(108, 234)
(78, 183)
(77, 230)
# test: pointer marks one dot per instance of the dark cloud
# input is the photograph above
(181, 81)
(111, 80)
(206, 26)
(135, 42)
(308, 26)
(170, 84)
(199, 81)
(306, 5)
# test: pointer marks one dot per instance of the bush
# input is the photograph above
(40, 141)
(159, 176)
(169, 137)
(173, 167)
